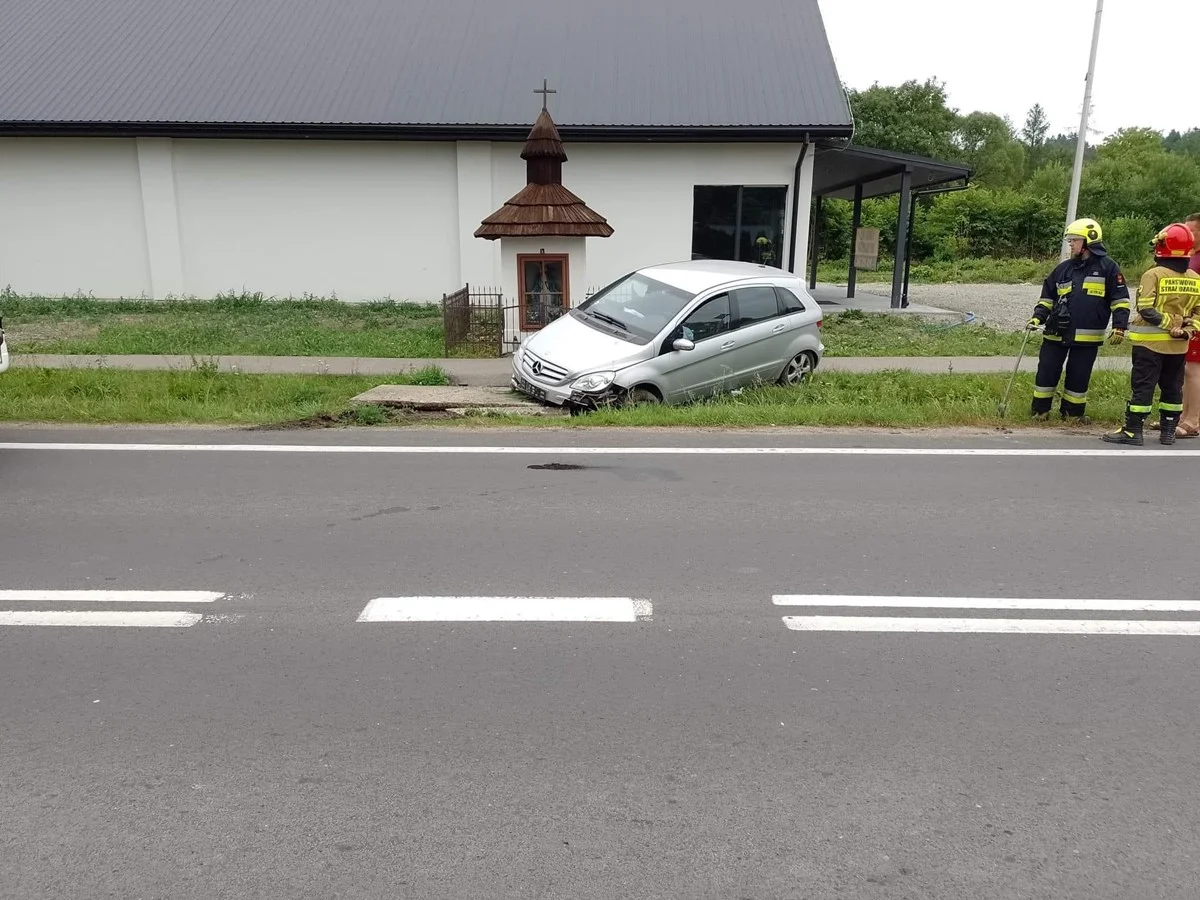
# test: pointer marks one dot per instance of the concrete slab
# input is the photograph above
(438, 398)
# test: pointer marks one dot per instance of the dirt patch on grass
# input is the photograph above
(375, 417)
(46, 332)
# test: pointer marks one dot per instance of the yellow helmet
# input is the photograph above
(1088, 229)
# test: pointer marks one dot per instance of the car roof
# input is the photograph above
(696, 275)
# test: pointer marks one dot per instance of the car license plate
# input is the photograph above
(531, 389)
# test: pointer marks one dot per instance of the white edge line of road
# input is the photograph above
(506, 609)
(989, 626)
(1130, 452)
(102, 596)
(998, 603)
(100, 619)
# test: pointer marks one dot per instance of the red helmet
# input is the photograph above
(1174, 242)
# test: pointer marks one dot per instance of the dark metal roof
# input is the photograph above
(443, 67)
(837, 171)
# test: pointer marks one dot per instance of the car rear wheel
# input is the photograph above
(799, 369)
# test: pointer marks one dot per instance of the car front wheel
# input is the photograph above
(639, 395)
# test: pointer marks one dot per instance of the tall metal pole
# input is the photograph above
(1081, 143)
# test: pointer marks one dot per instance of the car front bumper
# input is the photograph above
(557, 394)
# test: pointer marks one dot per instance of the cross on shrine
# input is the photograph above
(545, 92)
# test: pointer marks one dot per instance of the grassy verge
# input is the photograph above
(892, 399)
(253, 326)
(228, 325)
(855, 333)
(895, 399)
(108, 396)
(961, 271)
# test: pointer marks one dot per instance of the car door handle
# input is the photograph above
(778, 328)
(727, 345)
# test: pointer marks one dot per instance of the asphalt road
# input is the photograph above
(276, 747)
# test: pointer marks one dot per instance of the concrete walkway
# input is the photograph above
(495, 372)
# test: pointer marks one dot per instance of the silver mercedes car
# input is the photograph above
(674, 333)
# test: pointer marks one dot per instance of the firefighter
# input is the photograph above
(1078, 298)
(1168, 317)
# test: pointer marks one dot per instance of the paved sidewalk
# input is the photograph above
(495, 372)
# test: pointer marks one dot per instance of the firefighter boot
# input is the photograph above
(1131, 434)
(1169, 424)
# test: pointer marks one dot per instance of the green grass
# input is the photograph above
(200, 396)
(228, 325)
(961, 271)
(891, 399)
(330, 328)
(855, 333)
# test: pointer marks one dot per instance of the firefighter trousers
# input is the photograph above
(1080, 359)
(1152, 370)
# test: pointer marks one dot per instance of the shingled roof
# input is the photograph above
(444, 69)
(544, 208)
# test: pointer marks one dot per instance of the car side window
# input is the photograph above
(755, 304)
(708, 320)
(791, 303)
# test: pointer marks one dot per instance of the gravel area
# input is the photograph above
(1004, 306)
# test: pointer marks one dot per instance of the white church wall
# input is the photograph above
(72, 217)
(359, 219)
(362, 220)
(479, 260)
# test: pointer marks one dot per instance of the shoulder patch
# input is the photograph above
(1120, 278)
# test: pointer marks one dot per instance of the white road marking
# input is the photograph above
(102, 596)
(857, 600)
(1017, 452)
(990, 626)
(506, 609)
(104, 619)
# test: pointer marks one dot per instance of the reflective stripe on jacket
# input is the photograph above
(1094, 290)
(1176, 296)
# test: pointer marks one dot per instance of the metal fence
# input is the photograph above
(477, 323)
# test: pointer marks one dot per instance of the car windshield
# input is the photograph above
(635, 307)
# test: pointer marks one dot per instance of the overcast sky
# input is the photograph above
(1004, 57)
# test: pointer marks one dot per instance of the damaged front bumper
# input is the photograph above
(565, 397)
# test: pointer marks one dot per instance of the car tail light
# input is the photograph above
(820, 322)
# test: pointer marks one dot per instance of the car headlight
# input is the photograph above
(597, 381)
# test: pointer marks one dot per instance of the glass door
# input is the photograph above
(739, 223)
(544, 289)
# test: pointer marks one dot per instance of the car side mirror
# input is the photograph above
(683, 344)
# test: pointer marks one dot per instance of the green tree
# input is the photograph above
(1033, 135)
(1051, 182)
(1128, 240)
(1186, 144)
(1135, 176)
(988, 145)
(1134, 182)
(911, 118)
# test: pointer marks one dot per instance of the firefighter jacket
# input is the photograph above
(1080, 295)
(1166, 297)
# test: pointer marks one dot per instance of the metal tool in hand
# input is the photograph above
(1003, 408)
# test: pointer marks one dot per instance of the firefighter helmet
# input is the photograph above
(1174, 242)
(1088, 229)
